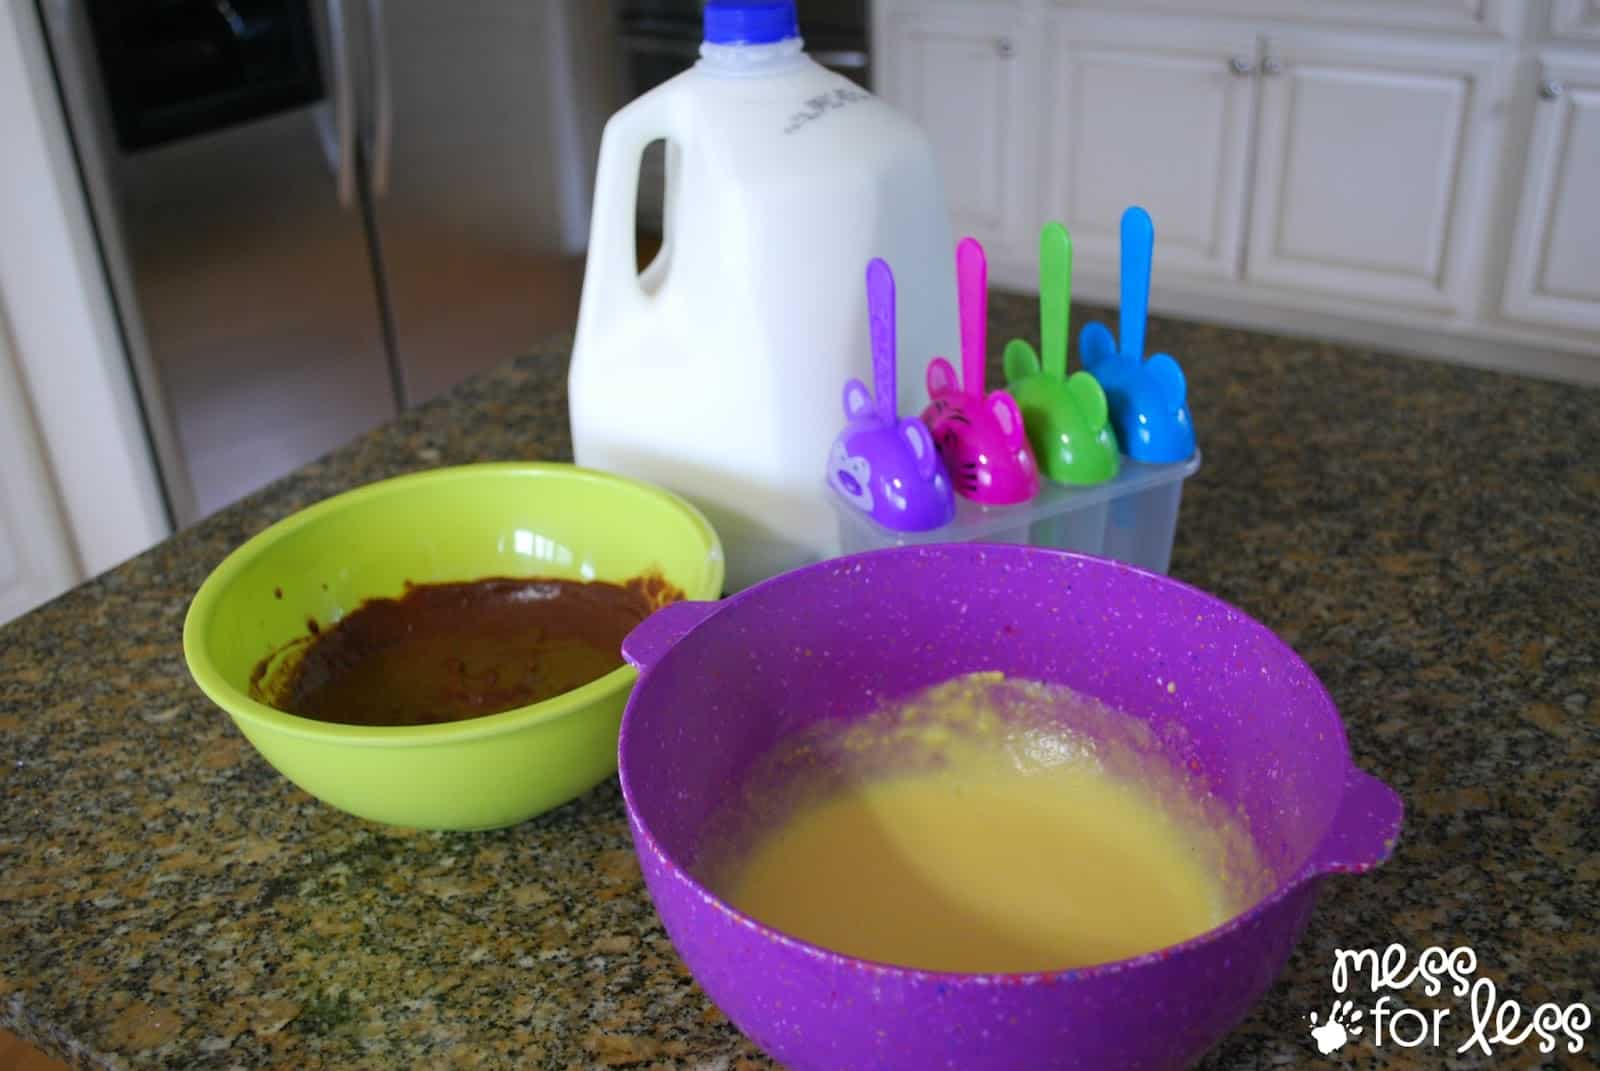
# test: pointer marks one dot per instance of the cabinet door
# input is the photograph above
(1153, 112)
(962, 77)
(1554, 273)
(1457, 16)
(1370, 169)
(1575, 20)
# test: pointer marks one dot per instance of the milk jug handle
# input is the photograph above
(613, 253)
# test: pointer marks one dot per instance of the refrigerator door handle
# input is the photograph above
(336, 123)
(380, 147)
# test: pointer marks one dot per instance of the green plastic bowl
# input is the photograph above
(513, 519)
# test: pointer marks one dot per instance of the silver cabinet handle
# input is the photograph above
(381, 148)
(1004, 48)
(1242, 67)
(1551, 89)
(1271, 67)
(338, 137)
(230, 16)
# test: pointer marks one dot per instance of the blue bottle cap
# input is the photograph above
(750, 22)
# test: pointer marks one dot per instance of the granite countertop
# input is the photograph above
(1427, 536)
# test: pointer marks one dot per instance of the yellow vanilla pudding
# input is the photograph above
(962, 831)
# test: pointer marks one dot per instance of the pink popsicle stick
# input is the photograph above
(972, 277)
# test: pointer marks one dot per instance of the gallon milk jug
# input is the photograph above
(719, 371)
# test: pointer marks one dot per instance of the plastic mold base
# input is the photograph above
(1131, 518)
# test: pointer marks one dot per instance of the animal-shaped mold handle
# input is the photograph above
(981, 437)
(1148, 399)
(1065, 415)
(881, 465)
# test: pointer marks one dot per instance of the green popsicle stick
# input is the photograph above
(1055, 296)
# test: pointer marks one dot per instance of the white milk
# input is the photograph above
(718, 372)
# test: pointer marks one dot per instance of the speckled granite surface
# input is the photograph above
(1427, 536)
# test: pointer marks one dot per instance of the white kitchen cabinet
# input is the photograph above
(1154, 114)
(962, 76)
(1476, 17)
(1553, 277)
(1360, 169)
(1575, 20)
(1370, 168)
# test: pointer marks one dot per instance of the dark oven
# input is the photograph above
(181, 68)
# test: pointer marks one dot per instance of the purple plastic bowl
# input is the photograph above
(721, 683)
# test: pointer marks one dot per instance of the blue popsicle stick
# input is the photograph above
(1138, 239)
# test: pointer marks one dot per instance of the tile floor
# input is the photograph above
(251, 408)
(260, 383)
(18, 1055)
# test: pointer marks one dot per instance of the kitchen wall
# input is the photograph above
(36, 556)
(63, 363)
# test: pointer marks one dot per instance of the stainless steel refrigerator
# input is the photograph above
(315, 214)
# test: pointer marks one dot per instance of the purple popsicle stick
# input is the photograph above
(880, 315)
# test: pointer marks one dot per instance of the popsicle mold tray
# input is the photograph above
(1131, 517)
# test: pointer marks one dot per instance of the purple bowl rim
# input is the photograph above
(1307, 872)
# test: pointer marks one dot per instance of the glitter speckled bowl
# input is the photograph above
(722, 683)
